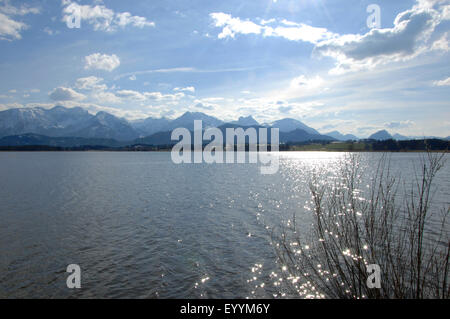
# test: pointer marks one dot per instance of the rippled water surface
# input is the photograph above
(142, 227)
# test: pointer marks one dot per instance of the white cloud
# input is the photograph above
(90, 83)
(102, 18)
(66, 94)
(10, 29)
(299, 32)
(441, 44)
(7, 8)
(102, 62)
(446, 13)
(290, 23)
(202, 106)
(408, 38)
(125, 18)
(445, 82)
(98, 90)
(148, 96)
(400, 124)
(190, 89)
(269, 21)
(106, 97)
(231, 25)
(158, 96)
(132, 95)
(289, 30)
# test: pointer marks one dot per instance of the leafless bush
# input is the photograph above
(382, 226)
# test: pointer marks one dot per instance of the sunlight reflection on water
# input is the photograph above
(140, 226)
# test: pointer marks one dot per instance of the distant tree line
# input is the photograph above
(349, 146)
(412, 145)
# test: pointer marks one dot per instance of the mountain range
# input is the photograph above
(65, 122)
(341, 137)
(384, 135)
(61, 126)
(33, 124)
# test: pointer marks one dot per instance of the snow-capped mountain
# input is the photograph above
(77, 122)
(63, 122)
(76, 126)
(105, 125)
(58, 121)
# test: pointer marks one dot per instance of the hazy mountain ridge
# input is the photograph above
(105, 125)
(246, 121)
(289, 125)
(79, 123)
(384, 135)
(381, 136)
(341, 137)
(150, 126)
(296, 136)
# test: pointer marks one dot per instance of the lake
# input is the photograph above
(140, 226)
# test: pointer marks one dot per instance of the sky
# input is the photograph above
(354, 66)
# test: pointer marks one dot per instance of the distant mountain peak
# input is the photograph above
(193, 114)
(186, 114)
(246, 121)
(341, 137)
(382, 135)
(289, 125)
(61, 121)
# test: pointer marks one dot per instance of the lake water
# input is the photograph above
(140, 226)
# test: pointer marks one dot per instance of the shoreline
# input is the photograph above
(168, 151)
(389, 146)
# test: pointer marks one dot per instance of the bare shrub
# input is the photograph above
(352, 230)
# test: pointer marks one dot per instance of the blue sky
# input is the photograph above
(313, 60)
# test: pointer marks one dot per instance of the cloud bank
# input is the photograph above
(10, 28)
(102, 18)
(98, 61)
(409, 37)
